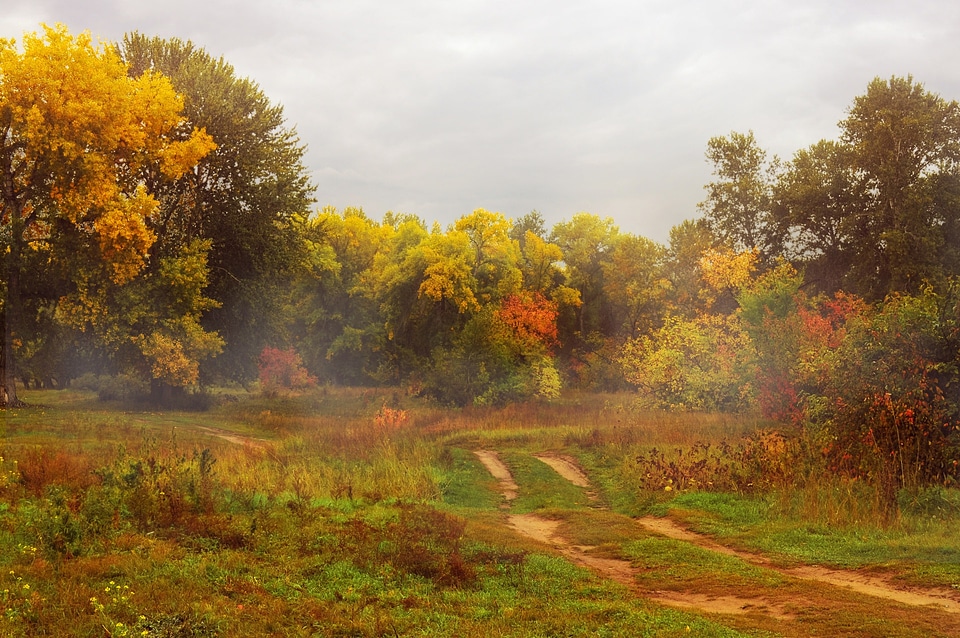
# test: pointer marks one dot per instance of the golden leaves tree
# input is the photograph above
(75, 131)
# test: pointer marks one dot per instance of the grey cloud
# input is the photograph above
(437, 108)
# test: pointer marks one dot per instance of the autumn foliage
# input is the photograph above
(821, 293)
(78, 135)
(283, 370)
(532, 320)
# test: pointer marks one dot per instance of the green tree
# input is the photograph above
(77, 131)
(635, 286)
(337, 324)
(819, 200)
(532, 222)
(412, 322)
(738, 207)
(586, 241)
(906, 140)
(250, 197)
(689, 240)
(704, 363)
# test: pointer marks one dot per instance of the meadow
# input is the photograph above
(359, 512)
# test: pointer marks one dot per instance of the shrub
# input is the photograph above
(283, 370)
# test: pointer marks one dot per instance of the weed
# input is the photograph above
(41, 467)
(20, 602)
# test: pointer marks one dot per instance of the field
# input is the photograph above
(368, 513)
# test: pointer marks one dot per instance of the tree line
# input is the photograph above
(158, 222)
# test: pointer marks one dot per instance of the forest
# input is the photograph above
(168, 238)
(165, 251)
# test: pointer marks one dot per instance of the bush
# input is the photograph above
(892, 420)
(122, 387)
(283, 370)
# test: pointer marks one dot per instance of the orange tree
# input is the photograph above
(75, 130)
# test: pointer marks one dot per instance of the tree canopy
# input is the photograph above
(77, 132)
(248, 198)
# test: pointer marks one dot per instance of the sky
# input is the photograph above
(440, 107)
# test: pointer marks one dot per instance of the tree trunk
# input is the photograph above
(12, 209)
(11, 311)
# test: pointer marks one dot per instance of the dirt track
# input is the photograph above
(870, 585)
(546, 531)
(491, 461)
(226, 435)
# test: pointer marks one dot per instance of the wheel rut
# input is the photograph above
(546, 531)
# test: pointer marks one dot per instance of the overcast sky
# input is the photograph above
(438, 107)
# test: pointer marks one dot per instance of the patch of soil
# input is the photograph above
(233, 437)
(491, 461)
(565, 466)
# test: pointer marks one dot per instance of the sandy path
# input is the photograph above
(621, 571)
(491, 461)
(870, 585)
(566, 467)
(545, 531)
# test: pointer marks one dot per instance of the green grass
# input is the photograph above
(540, 486)
(668, 563)
(923, 552)
(466, 483)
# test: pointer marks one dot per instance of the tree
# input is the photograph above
(250, 197)
(634, 285)
(705, 363)
(337, 324)
(495, 254)
(150, 326)
(585, 242)
(819, 200)
(76, 133)
(532, 222)
(738, 204)
(688, 241)
(503, 353)
(892, 394)
(905, 140)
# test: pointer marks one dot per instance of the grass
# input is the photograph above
(541, 487)
(327, 523)
(920, 550)
(466, 482)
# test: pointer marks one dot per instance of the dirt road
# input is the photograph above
(817, 593)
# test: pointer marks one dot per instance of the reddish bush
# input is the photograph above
(40, 468)
(283, 370)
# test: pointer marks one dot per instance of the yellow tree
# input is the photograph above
(75, 130)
